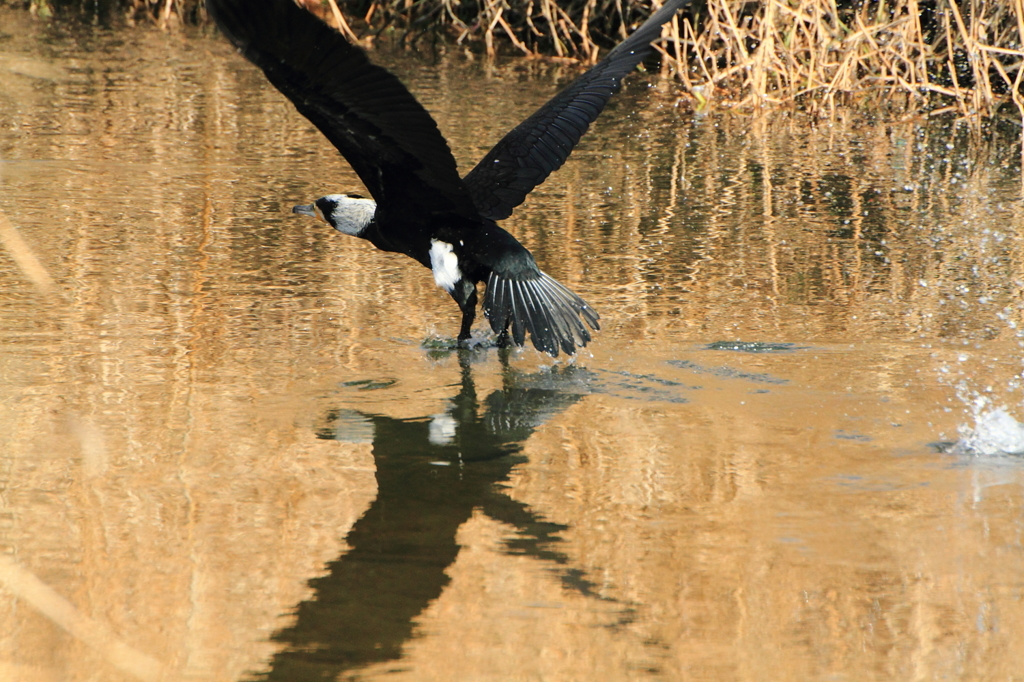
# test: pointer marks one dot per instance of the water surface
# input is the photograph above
(226, 451)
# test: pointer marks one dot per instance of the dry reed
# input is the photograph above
(950, 55)
(964, 55)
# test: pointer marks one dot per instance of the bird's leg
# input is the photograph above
(464, 294)
(467, 321)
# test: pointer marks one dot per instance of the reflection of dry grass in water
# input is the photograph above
(880, 232)
(965, 55)
(23, 256)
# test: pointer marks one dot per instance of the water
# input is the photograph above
(227, 452)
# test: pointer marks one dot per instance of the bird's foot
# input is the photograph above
(442, 346)
(440, 343)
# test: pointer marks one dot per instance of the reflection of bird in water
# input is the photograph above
(431, 475)
(420, 205)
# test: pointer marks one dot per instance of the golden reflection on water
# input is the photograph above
(167, 491)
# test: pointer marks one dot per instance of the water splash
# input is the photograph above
(988, 379)
(994, 432)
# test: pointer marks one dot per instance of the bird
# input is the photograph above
(419, 205)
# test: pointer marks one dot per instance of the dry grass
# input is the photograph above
(967, 54)
(961, 55)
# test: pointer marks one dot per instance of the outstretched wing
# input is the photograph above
(364, 110)
(540, 145)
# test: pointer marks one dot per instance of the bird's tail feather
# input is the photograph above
(542, 306)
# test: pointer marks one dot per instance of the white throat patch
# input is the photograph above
(445, 265)
(351, 215)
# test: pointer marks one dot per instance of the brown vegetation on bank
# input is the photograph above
(962, 55)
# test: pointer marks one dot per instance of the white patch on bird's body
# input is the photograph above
(445, 265)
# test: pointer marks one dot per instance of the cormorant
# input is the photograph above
(420, 205)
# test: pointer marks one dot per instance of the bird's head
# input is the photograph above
(347, 213)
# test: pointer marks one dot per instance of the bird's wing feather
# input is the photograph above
(390, 140)
(540, 145)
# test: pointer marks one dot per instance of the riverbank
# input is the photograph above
(911, 55)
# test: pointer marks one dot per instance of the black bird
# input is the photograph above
(420, 205)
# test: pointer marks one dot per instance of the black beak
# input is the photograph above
(306, 209)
